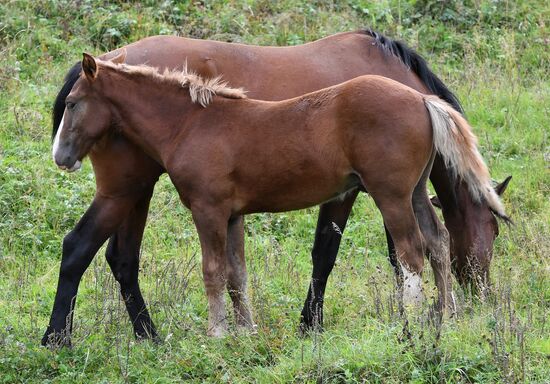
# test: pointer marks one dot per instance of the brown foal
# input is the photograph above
(241, 156)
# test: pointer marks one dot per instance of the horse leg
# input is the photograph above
(436, 237)
(212, 228)
(400, 221)
(437, 240)
(123, 258)
(79, 247)
(393, 256)
(331, 223)
(236, 273)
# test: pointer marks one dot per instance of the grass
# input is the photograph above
(494, 55)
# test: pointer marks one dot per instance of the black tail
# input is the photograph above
(418, 65)
(59, 104)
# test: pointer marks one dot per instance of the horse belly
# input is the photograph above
(294, 191)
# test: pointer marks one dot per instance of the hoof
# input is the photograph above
(306, 329)
(217, 332)
(247, 330)
(56, 340)
(450, 308)
(154, 338)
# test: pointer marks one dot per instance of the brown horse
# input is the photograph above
(119, 209)
(242, 156)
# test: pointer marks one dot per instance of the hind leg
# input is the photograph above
(436, 239)
(401, 224)
(437, 247)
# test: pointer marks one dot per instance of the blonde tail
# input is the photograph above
(457, 144)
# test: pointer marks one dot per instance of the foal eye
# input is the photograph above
(69, 105)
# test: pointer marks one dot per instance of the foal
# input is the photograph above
(242, 156)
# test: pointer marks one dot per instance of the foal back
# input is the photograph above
(280, 156)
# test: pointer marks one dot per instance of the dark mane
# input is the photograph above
(417, 64)
(59, 103)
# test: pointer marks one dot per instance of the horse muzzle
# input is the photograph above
(75, 167)
(66, 162)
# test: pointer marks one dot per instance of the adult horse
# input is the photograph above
(241, 156)
(119, 209)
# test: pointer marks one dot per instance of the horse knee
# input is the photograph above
(72, 264)
(111, 253)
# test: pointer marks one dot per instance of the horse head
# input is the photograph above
(474, 228)
(86, 117)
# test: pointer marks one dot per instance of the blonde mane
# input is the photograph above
(201, 90)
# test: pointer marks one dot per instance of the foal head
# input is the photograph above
(86, 118)
(89, 113)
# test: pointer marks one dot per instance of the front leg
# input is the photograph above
(211, 226)
(236, 274)
(79, 248)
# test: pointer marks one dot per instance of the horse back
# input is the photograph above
(274, 73)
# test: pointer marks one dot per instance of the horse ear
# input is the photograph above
(435, 202)
(120, 57)
(89, 66)
(500, 188)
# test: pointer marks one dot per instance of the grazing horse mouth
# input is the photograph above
(75, 167)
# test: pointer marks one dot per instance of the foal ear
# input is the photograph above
(89, 66)
(435, 202)
(120, 57)
(500, 188)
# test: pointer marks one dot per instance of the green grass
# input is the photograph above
(493, 54)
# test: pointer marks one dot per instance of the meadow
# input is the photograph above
(494, 54)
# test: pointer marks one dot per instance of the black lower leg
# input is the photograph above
(125, 266)
(77, 255)
(331, 223)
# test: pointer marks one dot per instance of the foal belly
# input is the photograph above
(300, 193)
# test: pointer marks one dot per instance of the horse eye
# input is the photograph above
(69, 105)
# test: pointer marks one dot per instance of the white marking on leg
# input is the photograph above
(57, 136)
(336, 228)
(412, 287)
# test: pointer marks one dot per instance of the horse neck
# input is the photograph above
(149, 114)
(456, 201)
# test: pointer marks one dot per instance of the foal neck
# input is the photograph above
(149, 113)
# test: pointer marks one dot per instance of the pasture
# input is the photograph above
(493, 54)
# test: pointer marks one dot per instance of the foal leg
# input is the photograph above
(401, 223)
(79, 247)
(436, 237)
(212, 227)
(331, 223)
(437, 247)
(236, 273)
(123, 258)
